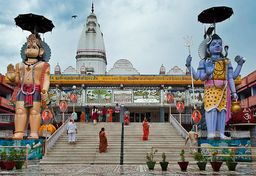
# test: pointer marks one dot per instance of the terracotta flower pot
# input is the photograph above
(9, 165)
(183, 165)
(216, 165)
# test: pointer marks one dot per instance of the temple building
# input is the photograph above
(152, 96)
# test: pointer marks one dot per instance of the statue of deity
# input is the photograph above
(32, 79)
(216, 70)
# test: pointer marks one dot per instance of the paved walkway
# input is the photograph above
(34, 169)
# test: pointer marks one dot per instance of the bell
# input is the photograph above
(235, 106)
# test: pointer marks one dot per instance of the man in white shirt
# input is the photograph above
(71, 131)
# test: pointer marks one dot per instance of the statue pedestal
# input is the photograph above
(35, 146)
(223, 146)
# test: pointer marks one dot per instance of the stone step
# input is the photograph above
(162, 137)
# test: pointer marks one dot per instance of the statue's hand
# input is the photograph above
(234, 96)
(188, 61)
(10, 73)
(209, 66)
(240, 60)
(44, 96)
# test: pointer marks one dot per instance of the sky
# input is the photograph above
(148, 33)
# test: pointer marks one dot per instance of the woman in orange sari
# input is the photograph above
(110, 112)
(145, 129)
(82, 117)
(103, 141)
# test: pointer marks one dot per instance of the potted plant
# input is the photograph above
(8, 161)
(150, 159)
(19, 158)
(214, 162)
(164, 163)
(3, 158)
(201, 160)
(231, 161)
(183, 163)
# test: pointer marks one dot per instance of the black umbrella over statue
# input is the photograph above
(34, 23)
(215, 15)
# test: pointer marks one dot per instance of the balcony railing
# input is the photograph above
(6, 118)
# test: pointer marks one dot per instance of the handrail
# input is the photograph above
(55, 136)
(178, 126)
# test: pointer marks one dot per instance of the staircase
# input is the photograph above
(162, 136)
(86, 150)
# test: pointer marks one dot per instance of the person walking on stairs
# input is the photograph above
(71, 131)
(103, 141)
(145, 125)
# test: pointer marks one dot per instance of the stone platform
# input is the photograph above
(35, 169)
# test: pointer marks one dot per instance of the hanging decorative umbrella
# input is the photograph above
(215, 14)
(34, 23)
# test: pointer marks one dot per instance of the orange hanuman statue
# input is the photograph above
(32, 80)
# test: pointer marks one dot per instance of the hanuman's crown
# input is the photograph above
(32, 38)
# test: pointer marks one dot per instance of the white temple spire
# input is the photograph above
(91, 48)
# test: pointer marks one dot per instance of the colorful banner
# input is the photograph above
(208, 148)
(146, 96)
(122, 96)
(35, 147)
(99, 96)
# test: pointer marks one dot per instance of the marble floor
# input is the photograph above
(35, 169)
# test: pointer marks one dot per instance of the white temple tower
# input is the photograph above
(91, 49)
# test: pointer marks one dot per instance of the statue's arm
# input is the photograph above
(240, 61)
(196, 74)
(46, 81)
(17, 73)
(231, 81)
(207, 71)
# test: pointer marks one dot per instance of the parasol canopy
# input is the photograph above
(34, 23)
(215, 14)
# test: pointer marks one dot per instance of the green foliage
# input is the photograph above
(20, 154)
(164, 157)
(3, 155)
(12, 155)
(150, 156)
(182, 155)
(214, 154)
(198, 156)
(231, 158)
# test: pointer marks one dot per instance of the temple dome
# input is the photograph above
(91, 48)
(162, 70)
(176, 71)
(57, 69)
(123, 67)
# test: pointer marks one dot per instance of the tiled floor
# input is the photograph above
(34, 169)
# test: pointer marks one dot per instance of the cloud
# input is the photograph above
(147, 32)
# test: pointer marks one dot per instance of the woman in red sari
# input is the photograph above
(103, 141)
(126, 119)
(145, 129)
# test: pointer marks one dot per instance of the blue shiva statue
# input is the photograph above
(216, 71)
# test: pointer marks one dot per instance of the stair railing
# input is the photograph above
(178, 127)
(55, 136)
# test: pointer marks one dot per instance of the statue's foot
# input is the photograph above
(18, 135)
(33, 136)
(222, 136)
(210, 136)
